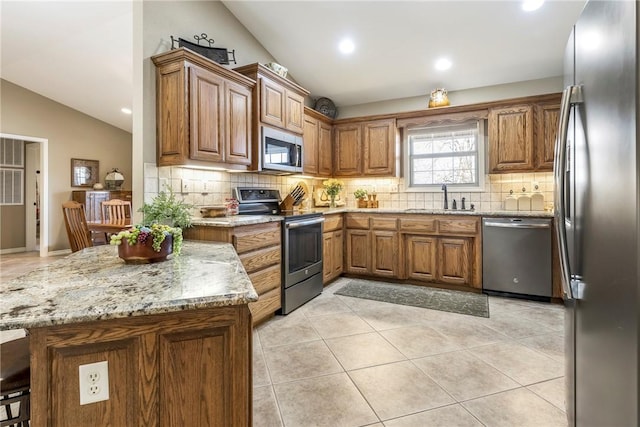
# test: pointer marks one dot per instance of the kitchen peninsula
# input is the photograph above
(176, 336)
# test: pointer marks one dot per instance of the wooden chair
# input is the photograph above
(15, 383)
(116, 209)
(76, 223)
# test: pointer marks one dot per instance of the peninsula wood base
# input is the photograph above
(184, 368)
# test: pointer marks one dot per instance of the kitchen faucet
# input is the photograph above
(446, 203)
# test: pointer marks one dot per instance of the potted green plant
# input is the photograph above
(361, 195)
(160, 233)
(332, 187)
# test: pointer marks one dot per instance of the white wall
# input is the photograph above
(71, 134)
(461, 97)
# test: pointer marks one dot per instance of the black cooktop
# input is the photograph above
(266, 201)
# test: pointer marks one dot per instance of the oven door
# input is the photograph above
(302, 249)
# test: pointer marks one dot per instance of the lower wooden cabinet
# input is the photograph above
(358, 252)
(260, 250)
(372, 245)
(384, 253)
(443, 249)
(420, 257)
(332, 255)
(171, 369)
(454, 261)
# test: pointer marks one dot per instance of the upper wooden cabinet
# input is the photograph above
(318, 158)
(522, 137)
(278, 102)
(547, 116)
(203, 112)
(365, 148)
(347, 149)
(511, 138)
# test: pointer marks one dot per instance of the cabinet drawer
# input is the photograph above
(266, 305)
(256, 238)
(360, 222)
(457, 225)
(265, 280)
(262, 258)
(333, 222)
(384, 223)
(418, 225)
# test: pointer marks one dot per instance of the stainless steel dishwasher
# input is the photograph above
(516, 256)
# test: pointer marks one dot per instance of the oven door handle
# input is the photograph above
(298, 224)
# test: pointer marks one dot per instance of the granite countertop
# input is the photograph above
(235, 221)
(537, 214)
(239, 220)
(95, 284)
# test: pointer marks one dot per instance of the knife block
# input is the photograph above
(287, 203)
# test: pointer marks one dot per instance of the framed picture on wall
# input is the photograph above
(84, 173)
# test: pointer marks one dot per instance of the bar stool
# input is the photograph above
(15, 382)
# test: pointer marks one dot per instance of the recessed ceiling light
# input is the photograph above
(126, 110)
(443, 64)
(531, 5)
(346, 46)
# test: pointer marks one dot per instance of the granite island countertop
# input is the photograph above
(95, 284)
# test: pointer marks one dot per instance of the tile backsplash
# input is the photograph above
(210, 188)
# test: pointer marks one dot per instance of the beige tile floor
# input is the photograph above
(340, 361)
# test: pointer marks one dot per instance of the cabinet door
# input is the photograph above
(384, 253)
(93, 207)
(294, 112)
(420, 261)
(511, 139)
(272, 100)
(347, 150)
(238, 124)
(337, 255)
(206, 103)
(172, 120)
(454, 260)
(310, 149)
(379, 140)
(358, 252)
(327, 256)
(325, 151)
(547, 117)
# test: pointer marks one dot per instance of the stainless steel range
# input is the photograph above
(301, 245)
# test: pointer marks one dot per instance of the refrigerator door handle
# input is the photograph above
(559, 169)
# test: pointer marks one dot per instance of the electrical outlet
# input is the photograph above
(393, 188)
(94, 382)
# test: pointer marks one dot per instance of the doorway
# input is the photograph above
(35, 193)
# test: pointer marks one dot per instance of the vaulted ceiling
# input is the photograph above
(79, 53)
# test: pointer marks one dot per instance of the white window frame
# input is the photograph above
(434, 188)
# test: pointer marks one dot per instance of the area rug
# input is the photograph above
(418, 296)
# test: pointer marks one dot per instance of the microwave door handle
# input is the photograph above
(293, 155)
(298, 156)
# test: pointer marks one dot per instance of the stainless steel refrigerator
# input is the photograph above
(596, 214)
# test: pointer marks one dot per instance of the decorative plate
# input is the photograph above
(326, 107)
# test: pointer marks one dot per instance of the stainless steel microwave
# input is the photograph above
(280, 152)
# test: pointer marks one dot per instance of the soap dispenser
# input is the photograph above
(537, 200)
(524, 201)
(510, 202)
